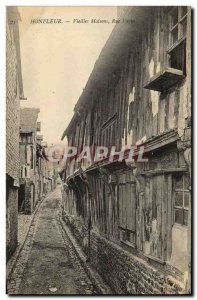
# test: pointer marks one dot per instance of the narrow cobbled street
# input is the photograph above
(47, 263)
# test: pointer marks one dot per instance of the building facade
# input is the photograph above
(14, 93)
(30, 187)
(36, 179)
(133, 220)
(42, 166)
(52, 176)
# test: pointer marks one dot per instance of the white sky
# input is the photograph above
(57, 60)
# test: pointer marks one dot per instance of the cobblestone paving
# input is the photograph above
(47, 263)
(23, 226)
(81, 275)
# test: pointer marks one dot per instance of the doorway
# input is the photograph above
(21, 198)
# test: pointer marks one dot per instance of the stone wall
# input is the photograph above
(79, 229)
(12, 142)
(11, 220)
(124, 272)
(12, 107)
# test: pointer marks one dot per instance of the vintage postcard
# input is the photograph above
(98, 150)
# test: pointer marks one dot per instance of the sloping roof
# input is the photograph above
(70, 126)
(28, 119)
(123, 36)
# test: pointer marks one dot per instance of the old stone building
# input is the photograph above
(133, 220)
(53, 170)
(36, 179)
(14, 93)
(42, 167)
(29, 192)
(46, 170)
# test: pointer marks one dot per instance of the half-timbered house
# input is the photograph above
(134, 219)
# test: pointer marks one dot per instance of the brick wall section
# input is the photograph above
(124, 272)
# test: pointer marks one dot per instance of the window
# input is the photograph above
(38, 126)
(175, 70)
(29, 139)
(177, 57)
(22, 138)
(177, 44)
(108, 131)
(32, 157)
(181, 200)
(25, 172)
(127, 235)
(178, 24)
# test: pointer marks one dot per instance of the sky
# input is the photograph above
(57, 60)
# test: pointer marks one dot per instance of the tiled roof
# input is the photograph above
(28, 119)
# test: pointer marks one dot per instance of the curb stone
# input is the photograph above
(13, 260)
